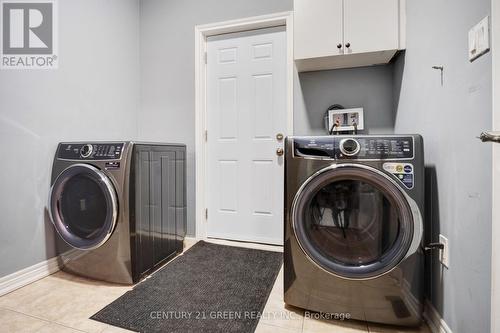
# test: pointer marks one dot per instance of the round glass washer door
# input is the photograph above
(83, 206)
(353, 221)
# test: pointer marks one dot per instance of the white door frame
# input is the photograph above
(495, 220)
(201, 32)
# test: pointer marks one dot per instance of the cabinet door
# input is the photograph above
(317, 28)
(371, 26)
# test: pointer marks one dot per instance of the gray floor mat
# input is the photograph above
(210, 288)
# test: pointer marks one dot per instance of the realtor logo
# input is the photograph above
(28, 35)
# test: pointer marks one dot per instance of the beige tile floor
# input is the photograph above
(62, 303)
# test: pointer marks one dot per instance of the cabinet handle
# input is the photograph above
(348, 45)
(339, 46)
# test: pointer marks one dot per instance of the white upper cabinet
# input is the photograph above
(312, 19)
(371, 25)
(347, 33)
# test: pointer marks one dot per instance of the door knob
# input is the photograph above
(279, 136)
(348, 45)
(339, 46)
(279, 152)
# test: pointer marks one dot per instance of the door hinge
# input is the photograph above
(205, 56)
(206, 135)
(206, 213)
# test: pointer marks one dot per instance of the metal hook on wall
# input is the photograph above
(441, 68)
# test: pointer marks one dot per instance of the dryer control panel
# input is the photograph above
(90, 151)
(359, 147)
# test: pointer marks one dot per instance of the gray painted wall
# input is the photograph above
(167, 68)
(459, 167)
(97, 96)
(369, 87)
(94, 95)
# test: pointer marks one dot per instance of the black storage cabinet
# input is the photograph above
(157, 205)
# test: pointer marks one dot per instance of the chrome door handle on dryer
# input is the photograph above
(490, 136)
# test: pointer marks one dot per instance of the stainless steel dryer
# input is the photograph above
(119, 207)
(353, 228)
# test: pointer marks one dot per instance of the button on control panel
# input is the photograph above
(387, 148)
(356, 147)
(90, 151)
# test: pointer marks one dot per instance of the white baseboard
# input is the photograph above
(45, 268)
(434, 320)
(28, 275)
(249, 245)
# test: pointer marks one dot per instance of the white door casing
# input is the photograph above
(246, 109)
(495, 225)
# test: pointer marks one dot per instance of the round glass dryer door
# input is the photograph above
(353, 221)
(83, 206)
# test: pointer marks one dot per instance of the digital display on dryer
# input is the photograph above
(90, 151)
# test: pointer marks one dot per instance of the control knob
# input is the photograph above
(349, 147)
(86, 150)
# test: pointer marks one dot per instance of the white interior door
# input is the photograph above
(246, 109)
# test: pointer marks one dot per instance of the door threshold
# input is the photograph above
(246, 244)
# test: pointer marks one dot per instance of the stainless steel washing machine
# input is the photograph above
(353, 228)
(118, 207)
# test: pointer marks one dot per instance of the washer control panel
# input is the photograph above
(90, 151)
(355, 147)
